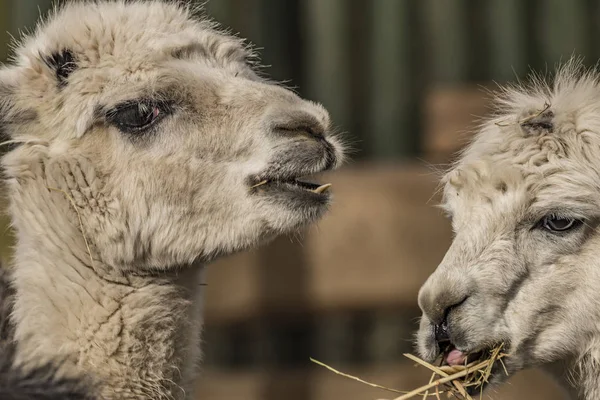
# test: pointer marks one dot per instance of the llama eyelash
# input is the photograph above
(137, 117)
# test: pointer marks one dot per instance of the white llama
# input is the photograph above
(144, 146)
(524, 266)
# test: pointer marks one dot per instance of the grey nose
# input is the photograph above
(436, 301)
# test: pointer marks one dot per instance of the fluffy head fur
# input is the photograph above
(524, 266)
(144, 139)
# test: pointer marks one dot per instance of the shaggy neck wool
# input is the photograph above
(137, 335)
(568, 373)
(586, 376)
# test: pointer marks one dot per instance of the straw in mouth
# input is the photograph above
(456, 378)
(311, 187)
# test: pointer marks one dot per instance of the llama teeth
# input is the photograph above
(259, 184)
(322, 188)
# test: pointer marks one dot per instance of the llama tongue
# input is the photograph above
(456, 357)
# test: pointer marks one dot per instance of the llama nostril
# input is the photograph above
(307, 130)
(441, 328)
(441, 332)
(299, 124)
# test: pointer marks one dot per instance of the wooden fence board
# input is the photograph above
(451, 116)
(380, 241)
(375, 248)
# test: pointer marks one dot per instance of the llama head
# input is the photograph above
(524, 200)
(157, 127)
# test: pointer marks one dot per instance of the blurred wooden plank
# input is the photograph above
(215, 385)
(451, 115)
(232, 291)
(375, 248)
(325, 385)
(380, 241)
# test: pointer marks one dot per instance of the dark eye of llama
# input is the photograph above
(554, 223)
(137, 117)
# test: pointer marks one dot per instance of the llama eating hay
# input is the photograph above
(524, 265)
(145, 147)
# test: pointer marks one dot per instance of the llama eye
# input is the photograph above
(135, 117)
(558, 224)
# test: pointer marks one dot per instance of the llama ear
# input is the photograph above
(63, 64)
(539, 123)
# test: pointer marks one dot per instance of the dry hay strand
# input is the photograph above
(526, 119)
(451, 380)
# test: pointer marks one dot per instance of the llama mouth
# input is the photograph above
(453, 356)
(292, 184)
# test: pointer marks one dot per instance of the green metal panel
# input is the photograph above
(5, 12)
(390, 91)
(364, 73)
(220, 11)
(446, 39)
(507, 41)
(17, 17)
(26, 13)
(563, 30)
(325, 25)
(280, 39)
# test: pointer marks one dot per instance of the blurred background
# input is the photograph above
(407, 80)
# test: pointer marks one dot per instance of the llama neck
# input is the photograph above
(563, 373)
(138, 336)
(586, 375)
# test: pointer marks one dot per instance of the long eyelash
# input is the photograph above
(118, 115)
(144, 105)
(564, 215)
(115, 109)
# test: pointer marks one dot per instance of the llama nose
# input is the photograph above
(438, 315)
(437, 301)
